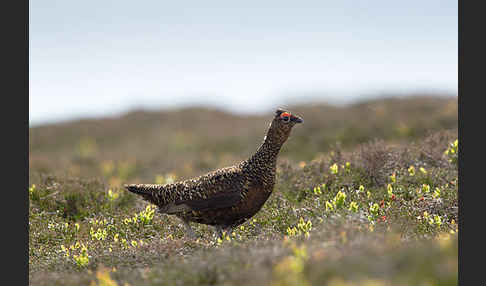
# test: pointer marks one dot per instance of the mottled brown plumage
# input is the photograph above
(226, 197)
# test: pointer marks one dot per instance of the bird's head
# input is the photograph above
(282, 124)
(285, 118)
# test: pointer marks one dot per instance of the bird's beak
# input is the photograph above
(297, 119)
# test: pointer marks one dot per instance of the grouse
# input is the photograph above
(226, 197)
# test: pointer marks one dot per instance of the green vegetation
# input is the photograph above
(365, 195)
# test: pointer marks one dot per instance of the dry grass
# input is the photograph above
(347, 209)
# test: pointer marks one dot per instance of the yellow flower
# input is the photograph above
(112, 195)
(411, 171)
(436, 193)
(361, 189)
(329, 206)
(389, 190)
(353, 206)
(334, 168)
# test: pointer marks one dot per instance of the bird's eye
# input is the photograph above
(285, 117)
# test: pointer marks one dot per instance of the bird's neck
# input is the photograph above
(268, 151)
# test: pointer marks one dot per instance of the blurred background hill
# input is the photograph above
(139, 145)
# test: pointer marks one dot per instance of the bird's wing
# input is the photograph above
(213, 191)
(217, 201)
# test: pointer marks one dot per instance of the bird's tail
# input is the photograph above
(144, 190)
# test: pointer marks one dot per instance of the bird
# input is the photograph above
(227, 197)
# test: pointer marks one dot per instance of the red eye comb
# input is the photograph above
(284, 114)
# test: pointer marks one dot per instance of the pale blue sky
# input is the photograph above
(95, 58)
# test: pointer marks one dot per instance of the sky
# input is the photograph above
(102, 58)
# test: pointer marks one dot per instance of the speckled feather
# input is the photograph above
(229, 196)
